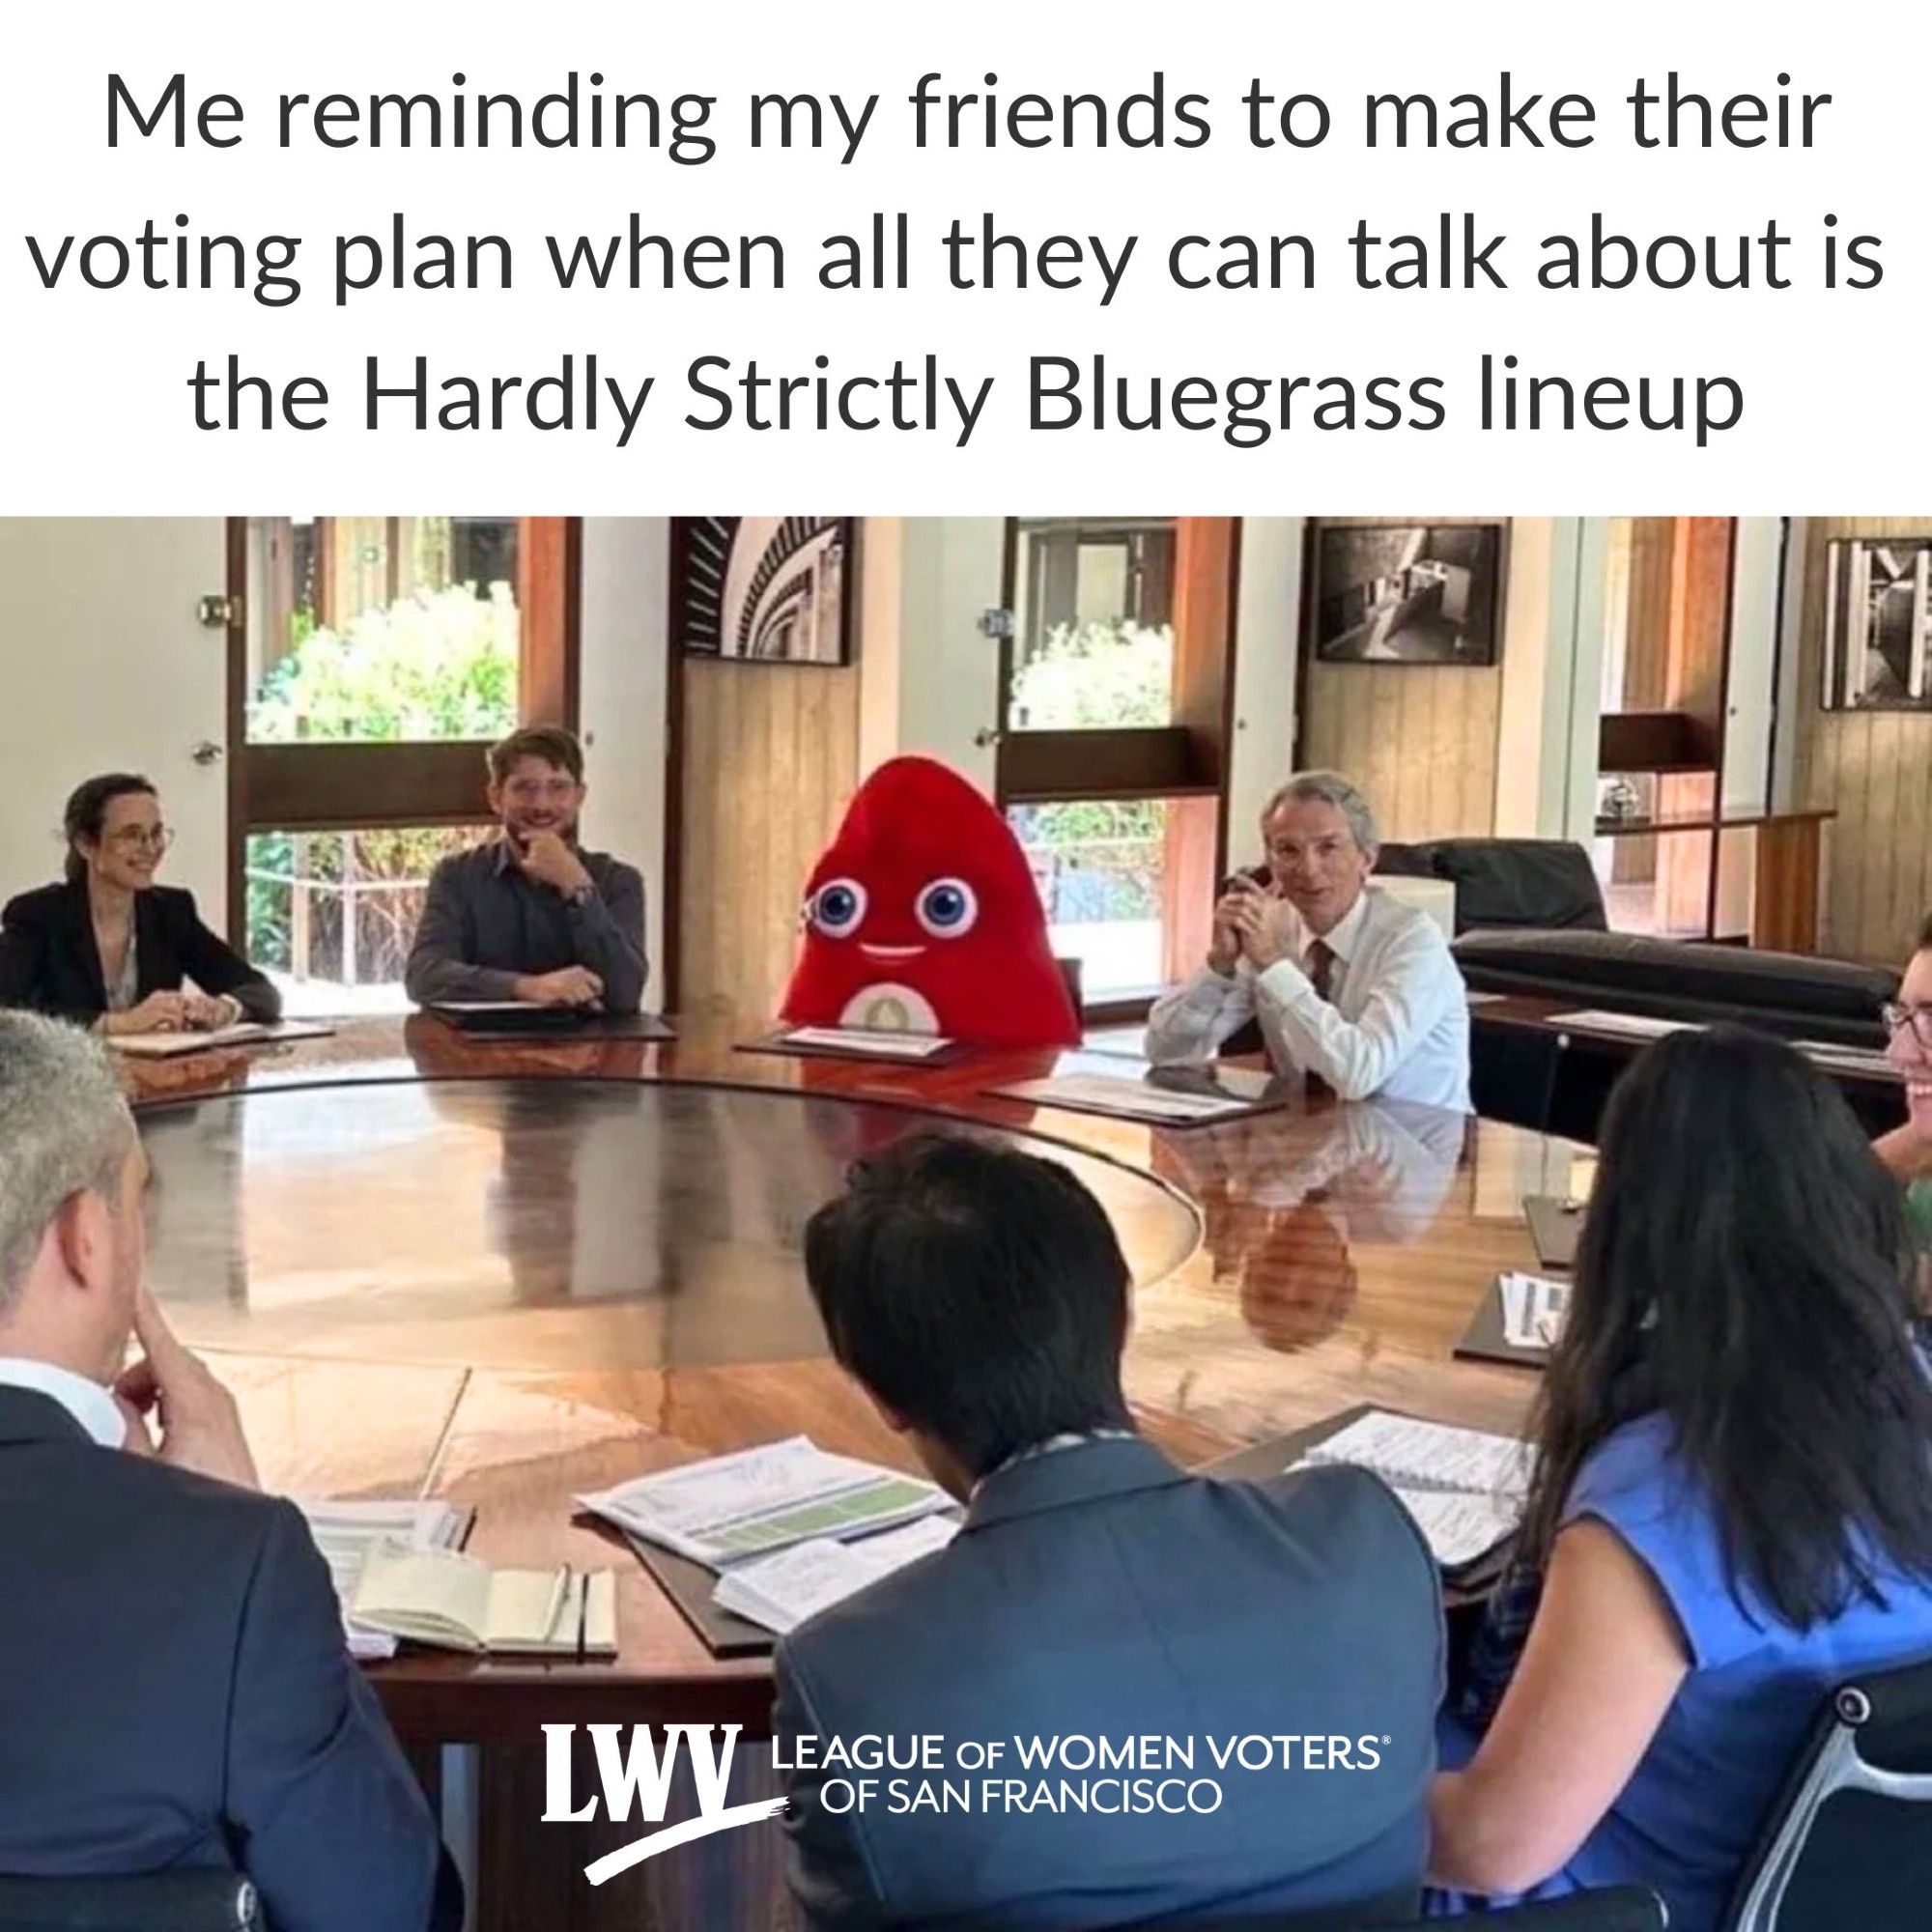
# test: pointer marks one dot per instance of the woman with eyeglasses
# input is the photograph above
(1731, 1511)
(109, 949)
(1908, 1149)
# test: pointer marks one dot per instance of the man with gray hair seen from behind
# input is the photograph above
(1347, 982)
(172, 1663)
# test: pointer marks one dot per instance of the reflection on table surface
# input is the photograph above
(510, 1271)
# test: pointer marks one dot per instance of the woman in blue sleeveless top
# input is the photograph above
(1732, 1505)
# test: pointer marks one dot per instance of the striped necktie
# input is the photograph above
(1321, 969)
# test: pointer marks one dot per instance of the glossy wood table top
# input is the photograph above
(509, 1271)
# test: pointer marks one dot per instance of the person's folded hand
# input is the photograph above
(200, 1425)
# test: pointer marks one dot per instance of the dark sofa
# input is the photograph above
(1544, 883)
(1529, 920)
(1785, 993)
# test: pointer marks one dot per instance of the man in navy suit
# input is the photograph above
(172, 1671)
(1096, 1591)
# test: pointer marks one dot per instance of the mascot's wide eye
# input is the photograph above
(837, 906)
(946, 908)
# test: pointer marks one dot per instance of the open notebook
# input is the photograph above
(441, 1596)
(345, 1533)
(1465, 1488)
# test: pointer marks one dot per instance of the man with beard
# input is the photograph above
(530, 915)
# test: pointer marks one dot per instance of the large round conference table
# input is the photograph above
(509, 1271)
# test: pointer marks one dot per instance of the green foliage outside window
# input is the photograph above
(1096, 859)
(438, 664)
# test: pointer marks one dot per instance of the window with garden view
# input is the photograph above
(380, 655)
(1109, 750)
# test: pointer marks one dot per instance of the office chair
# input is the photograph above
(174, 1901)
(1623, 1907)
(1848, 1841)
(1620, 1908)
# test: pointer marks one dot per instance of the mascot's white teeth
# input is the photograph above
(887, 1006)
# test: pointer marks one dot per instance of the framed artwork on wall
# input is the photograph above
(765, 590)
(1878, 624)
(1406, 593)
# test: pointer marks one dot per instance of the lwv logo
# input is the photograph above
(642, 1778)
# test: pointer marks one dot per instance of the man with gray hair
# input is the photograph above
(172, 1662)
(1347, 982)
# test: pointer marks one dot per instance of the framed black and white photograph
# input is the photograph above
(765, 590)
(1406, 593)
(1878, 624)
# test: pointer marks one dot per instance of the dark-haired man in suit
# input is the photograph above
(979, 1297)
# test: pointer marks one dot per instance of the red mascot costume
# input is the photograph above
(922, 916)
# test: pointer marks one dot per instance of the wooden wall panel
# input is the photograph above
(1875, 768)
(1646, 606)
(770, 761)
(1420, 741)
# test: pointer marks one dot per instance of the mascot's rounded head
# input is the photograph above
(921, 916)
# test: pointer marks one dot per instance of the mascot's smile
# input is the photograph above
(890, 952)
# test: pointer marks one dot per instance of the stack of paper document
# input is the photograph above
(1130, 1099)
(1849, 1059)
(779, 1592)
(1633, 1026)
(1465, 1488)
(443, 1598)
(759, 1501)
(1636, 1026)
(872, 1044)
(346, 1532)
(1534, 1309)
(245, 1033)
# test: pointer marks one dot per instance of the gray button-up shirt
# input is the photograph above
(485, 923)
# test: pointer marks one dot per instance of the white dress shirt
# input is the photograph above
(87, 1401)
(1396, 1021)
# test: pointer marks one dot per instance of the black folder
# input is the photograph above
(1485, 1338)
(1555, 1225)
(689, 1585)
(513, 1021)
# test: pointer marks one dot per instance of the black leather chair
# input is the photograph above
(175, 1901)
(1544, 884)
(1849, 1838)
(1623, 1907)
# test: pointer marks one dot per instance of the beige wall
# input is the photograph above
(106, 669)
(1874, 767)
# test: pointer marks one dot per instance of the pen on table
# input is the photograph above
(582, 1613)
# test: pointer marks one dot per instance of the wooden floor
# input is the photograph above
(509, 1272)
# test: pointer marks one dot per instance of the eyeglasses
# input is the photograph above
(143, 838)
(1898, 1018)
(528, 791)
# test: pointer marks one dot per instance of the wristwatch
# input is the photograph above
(583, 895)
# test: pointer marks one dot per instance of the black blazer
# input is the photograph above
(48, 960)
(177, 1691)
